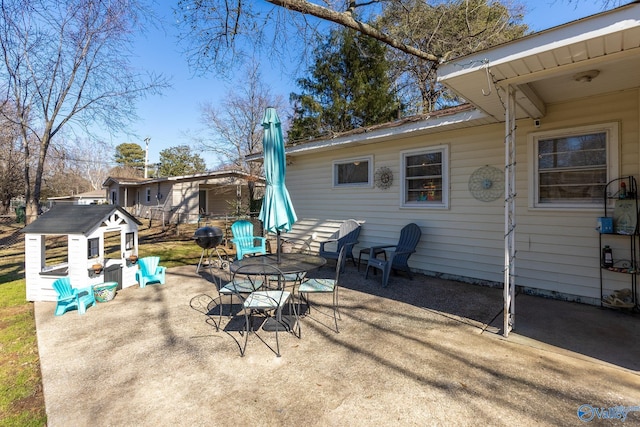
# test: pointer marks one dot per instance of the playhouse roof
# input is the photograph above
(74, 219)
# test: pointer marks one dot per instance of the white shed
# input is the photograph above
(68, 240)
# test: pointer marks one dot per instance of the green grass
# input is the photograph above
(21, 396)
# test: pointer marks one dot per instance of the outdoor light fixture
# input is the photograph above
(586, 76)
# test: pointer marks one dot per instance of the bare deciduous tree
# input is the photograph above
(422, 33)
(11, 177)
(235, 128)
(89, 159)
(66, 63)
(216, 31)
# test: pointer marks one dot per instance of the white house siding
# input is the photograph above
(34, 251)
(308, 228)
(557, 251)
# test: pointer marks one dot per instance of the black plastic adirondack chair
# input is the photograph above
(398, 255)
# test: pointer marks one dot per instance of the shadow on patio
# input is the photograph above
(411, 354)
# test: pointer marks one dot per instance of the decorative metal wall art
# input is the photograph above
(487, 183)
(383, 178)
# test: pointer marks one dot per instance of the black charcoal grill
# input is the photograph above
(209, 239)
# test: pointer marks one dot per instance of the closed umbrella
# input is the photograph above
(277, 213)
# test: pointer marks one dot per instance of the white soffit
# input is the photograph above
(542, 66)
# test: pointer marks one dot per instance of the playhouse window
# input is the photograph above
(425, 177)
(571, 167)
(93, 248)
(55, 254)
(128, 239)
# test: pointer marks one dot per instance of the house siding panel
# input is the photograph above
(557, 250)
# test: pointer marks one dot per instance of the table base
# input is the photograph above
(286, 324)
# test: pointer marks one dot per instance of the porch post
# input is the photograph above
(509, 212)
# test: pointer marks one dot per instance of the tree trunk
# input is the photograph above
(32, 197)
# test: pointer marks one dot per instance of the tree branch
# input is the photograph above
(346, 19)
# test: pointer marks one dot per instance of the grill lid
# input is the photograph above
(208, 237)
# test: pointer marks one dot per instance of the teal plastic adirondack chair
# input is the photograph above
(70, 298)
(149, 271)
(244, 240)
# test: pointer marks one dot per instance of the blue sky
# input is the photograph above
(168, 119)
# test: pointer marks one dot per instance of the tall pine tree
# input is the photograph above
(348, 87)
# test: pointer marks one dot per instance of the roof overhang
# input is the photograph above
(440, 121)
(217, 175)
(549, 66)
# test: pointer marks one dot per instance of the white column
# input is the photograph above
(510, 212)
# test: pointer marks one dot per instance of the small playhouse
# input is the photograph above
(101, 244)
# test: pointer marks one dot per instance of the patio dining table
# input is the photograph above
(290, 264)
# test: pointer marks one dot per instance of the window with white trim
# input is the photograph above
(148, 194)
(93, 248)
(353, 172)
(425, 181)
(128, 241)
(571, 167)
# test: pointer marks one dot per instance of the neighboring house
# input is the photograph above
(68, 240)
(95, 197)
(573, 93)
(184, 199)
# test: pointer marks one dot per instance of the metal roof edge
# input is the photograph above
(429, 123)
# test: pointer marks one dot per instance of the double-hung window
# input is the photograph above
(425, 180)
(353, 172)
(571, 167)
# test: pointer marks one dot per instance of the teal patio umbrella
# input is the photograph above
(277, 213)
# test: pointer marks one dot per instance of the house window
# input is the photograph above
(148, 194)
(93, 248)
(353, 172)
(572, 167)
(425, 177)
(128, 241)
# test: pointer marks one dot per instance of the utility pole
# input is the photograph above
(146, 156)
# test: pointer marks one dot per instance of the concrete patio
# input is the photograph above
(420, 352)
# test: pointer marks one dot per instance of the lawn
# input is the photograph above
(21, 395)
